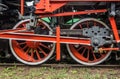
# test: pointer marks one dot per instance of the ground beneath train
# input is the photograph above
(28, 72)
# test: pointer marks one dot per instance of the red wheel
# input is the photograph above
(85, 54)
(32, 52)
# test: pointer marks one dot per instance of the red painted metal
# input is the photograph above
(22, 55)
(77, 54)
(22, 7)
(44, 38)
(12, 30)
(45, 6)
(30, 51)
(106, 49)
(58, 43)
(85, 53)
(114, 28)
(48, 6)
(75, 13)
(89, 50)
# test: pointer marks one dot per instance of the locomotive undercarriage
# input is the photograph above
(90, 26)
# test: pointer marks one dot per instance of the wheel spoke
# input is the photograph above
(88, 54)
(42, 51)
(27, 51)
(43, 45)
(100, 54)
(87, 23)
(32, 53)
(80, 26)
(79, 48)
(22, 43)
(38, 56)
(93, 54)
(95, 24)
(24, 25)
(24, 47)
(83, 52)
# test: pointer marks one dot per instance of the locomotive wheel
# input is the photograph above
(85, 54)
(31, 52)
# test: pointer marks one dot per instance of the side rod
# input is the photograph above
(12, 34)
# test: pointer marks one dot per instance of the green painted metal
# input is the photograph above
(46, 19)
(74, 20)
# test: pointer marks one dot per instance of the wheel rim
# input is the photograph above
(85, 54)
(31, 52)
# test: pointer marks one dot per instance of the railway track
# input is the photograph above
(59, 65)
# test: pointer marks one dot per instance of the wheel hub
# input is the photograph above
(99, 36)
(96, 31)
(32, 44)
